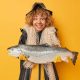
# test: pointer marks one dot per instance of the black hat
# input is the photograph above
(37, 5)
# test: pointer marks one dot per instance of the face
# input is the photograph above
(39, 22)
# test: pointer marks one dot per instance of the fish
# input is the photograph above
(41, 54)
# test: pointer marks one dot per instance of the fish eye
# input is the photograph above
(12, 49)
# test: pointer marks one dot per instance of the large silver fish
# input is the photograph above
(42, 54)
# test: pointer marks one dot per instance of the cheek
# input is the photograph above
(34, 22)
(41, 23)
(44, 22)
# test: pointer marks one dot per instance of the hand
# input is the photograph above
(28, 64)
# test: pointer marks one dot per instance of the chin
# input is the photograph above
(39, 30)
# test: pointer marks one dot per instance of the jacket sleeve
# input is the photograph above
(22, 40)
(23, 37)
(54, 37)
(56, 40)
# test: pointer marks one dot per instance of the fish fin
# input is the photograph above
(75, 57)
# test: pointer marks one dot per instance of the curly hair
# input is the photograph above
(30, 17)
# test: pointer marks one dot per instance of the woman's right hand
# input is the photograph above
(28, 64)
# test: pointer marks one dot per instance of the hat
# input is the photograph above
(36, 6)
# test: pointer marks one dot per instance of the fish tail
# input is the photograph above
(75, 57)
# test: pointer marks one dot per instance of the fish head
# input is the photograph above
(14, 51)
(23, 47)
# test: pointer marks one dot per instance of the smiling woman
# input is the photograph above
(66, 16)
(39, 29)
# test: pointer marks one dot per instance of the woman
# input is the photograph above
(39, 29)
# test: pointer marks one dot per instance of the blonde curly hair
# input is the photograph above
(30, 17)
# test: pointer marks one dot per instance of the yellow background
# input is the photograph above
(66, 19)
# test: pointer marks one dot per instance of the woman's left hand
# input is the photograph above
(28, 64)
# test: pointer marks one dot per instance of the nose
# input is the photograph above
(39, 21)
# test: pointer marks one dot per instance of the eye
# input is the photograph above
(35, 18)
(12, 49)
